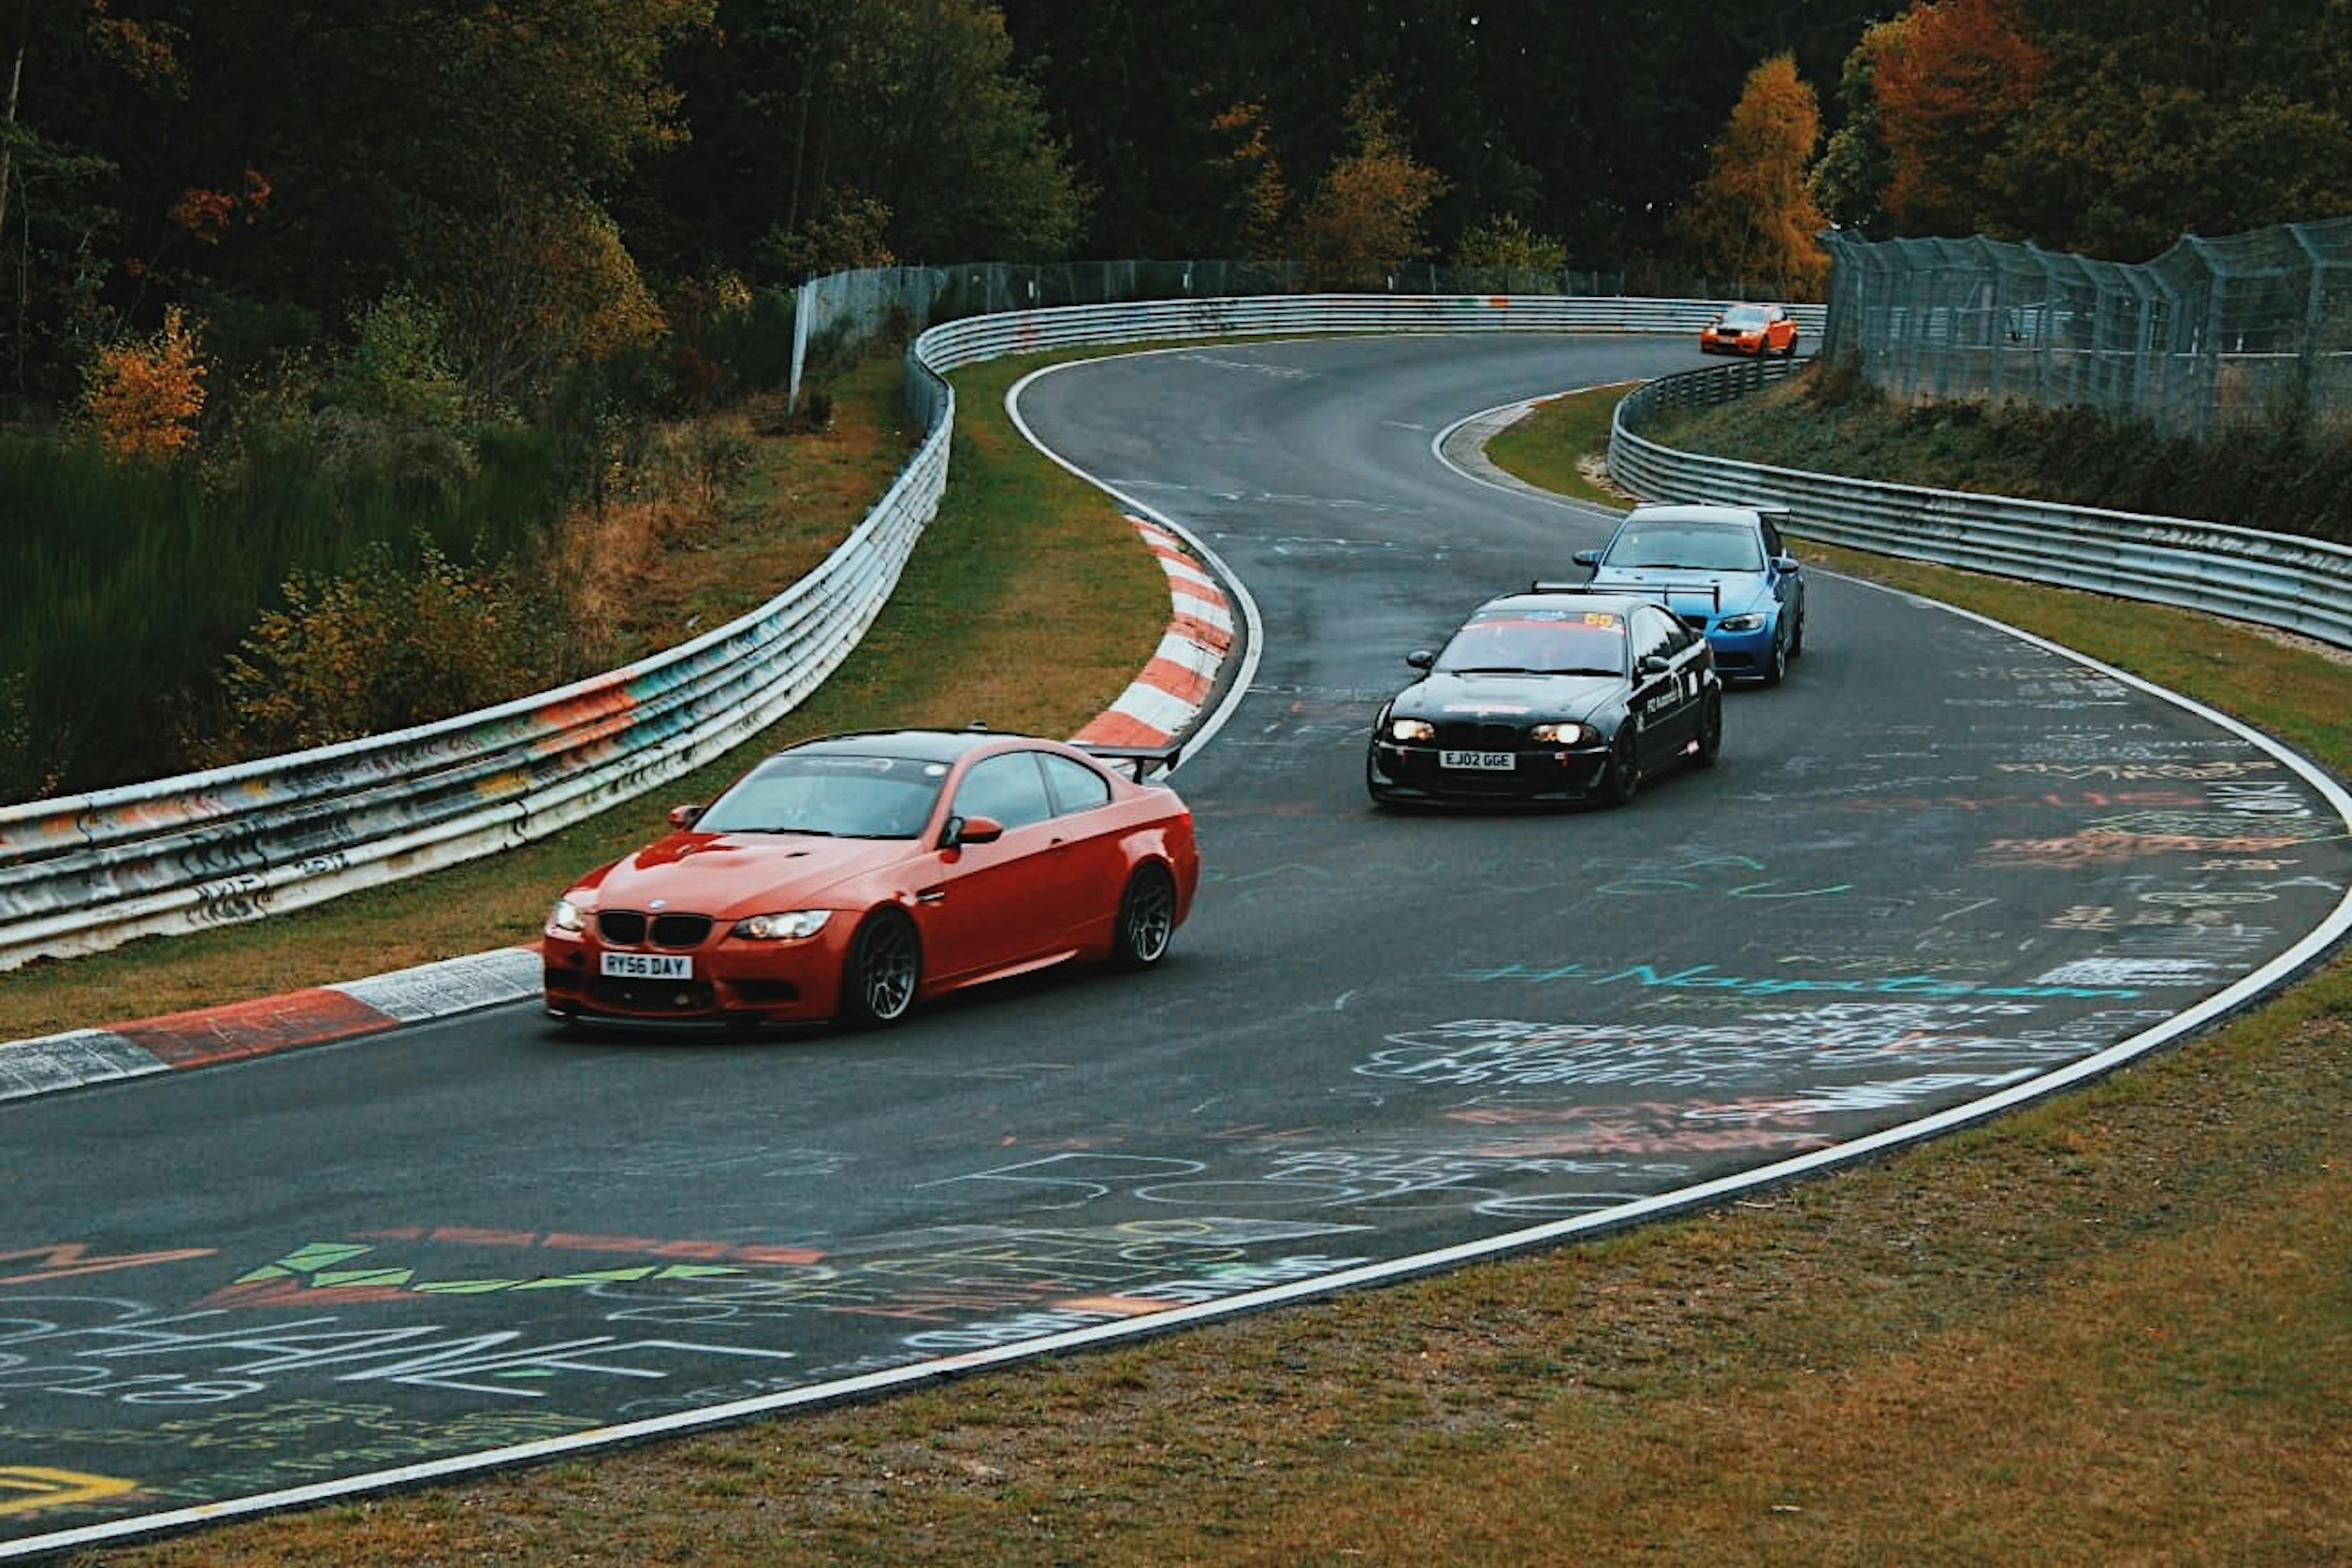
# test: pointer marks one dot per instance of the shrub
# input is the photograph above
(386, 646)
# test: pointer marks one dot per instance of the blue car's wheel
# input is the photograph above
(1777, 668)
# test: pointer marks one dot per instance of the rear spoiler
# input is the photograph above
(1661, 592)
(1142, 762)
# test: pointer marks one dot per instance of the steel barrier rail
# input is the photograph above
(2275, 580)
(85, 872)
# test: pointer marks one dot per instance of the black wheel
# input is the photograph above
(1797, 637)
(1710, 731)
(877, 984)
(1622, 774)
(1777, 671)
(1147, 919)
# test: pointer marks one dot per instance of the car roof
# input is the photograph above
(1568, 597)
(1677, 512)
(926, 744)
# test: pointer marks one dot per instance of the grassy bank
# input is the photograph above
(2115, 1329)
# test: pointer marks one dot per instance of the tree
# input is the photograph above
(1259, 199)
(144, 396)
(1849, 181)
(1950, 87)
(1507, 243)
(1365, 215)
(1752, 219)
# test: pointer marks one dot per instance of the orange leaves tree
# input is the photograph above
(144, 396)
(1753, 219)
(1366, 213)
(1951, 84)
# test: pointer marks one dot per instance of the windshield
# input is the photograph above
(832, 796)
(1745, 316)
(1696, 546)
(1538, 642)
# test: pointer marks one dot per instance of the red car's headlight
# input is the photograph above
(791, 925)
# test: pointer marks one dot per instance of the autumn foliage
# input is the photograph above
(1951, 82)
(1366, 214)
(144, 396)
(1753, 219)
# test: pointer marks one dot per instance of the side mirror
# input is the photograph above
(685, 816)
(1650, 664)
(1786, 565)
(964, 830)
(1587, 558)
(1422, 658)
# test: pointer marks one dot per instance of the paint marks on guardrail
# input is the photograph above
(315, 1017)
(1176, 685)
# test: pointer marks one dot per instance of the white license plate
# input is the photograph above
(649, 966)
(1488, 762)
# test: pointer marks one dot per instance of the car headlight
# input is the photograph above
(1740, 623)
(789, 926)
(567, 916)
(1411, 729)
(1563, 735)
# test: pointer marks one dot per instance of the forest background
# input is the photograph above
(350, 357)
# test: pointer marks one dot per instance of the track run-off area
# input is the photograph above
(1945, 869)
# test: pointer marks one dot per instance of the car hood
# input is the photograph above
(734, 874)
(1693, 589)
(1528, 697)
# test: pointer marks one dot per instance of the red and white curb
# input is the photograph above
(1177, 684)
(1163, 701)
(311, 1017)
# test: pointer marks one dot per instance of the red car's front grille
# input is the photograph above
(627, 928)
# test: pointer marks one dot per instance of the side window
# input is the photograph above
(1008, 788)
(1772, 545)
(1077, 787)
(1655, 631)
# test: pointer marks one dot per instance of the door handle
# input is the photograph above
(931, 896)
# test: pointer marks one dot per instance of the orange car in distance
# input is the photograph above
(1750, 329)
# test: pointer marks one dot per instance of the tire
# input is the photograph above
(1711, 732)
(1797, 637)
(1777, 671)
(884, 971)
(1147, 920)
(1620, 778)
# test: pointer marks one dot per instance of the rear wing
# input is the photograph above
(1144, 762)
(1661, 592)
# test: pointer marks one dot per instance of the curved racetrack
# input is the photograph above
(1942, 863)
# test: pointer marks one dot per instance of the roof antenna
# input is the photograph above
(977, 724)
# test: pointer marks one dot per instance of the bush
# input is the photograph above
(389, 645)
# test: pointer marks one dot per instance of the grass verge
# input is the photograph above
(2114, 1329)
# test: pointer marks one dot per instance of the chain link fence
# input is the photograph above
(2214, 334)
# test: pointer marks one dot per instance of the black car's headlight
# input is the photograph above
(791, 925)
(1411, 729)
(567, 916)
(1564, 734)
(1754, 621)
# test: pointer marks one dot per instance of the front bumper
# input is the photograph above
(1411, 773)
(1744, 655)
(734, 981)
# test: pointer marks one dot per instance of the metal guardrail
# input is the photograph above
(86, 872)
(2275, 580)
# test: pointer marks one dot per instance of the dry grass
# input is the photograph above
(2117, 1329)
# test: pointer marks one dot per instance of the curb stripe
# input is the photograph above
(1182, 673)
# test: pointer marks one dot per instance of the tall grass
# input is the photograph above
(125, 586)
